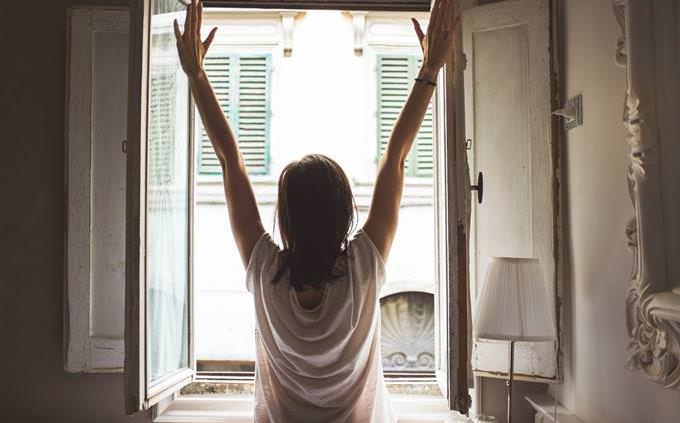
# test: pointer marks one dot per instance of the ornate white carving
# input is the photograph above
(288, 24)
(652, 305)
(407, 331)
(359, 23)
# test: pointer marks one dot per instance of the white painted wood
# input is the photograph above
(531, 358)
(507, 96)
(650, 50)
(96, 124)
(544, 405)
(140, 392)
(452, 216)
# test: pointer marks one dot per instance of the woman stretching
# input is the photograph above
(317, 299)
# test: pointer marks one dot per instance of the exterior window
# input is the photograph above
(395, 75)
(242, 85)
(162, 109)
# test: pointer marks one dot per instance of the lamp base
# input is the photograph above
(510, 380)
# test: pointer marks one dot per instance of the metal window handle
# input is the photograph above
(479, 187)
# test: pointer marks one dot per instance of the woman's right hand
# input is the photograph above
(190, 48)
(437, 45)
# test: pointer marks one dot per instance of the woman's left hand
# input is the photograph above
(190, 48)
(437, 45)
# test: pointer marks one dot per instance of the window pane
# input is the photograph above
(167, 199)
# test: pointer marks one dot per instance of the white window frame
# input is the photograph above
(453, 210)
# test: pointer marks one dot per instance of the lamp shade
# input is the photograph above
(514, 303)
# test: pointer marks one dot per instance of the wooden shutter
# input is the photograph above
(253, 112)
(395, 78)
(218, 69)
(241, 84)
(424, 144)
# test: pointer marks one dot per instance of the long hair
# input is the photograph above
(316, 213)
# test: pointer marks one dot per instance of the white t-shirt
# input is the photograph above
(320, 365)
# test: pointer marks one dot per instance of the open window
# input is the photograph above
(170, 162)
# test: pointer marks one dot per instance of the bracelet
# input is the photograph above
(425, 81)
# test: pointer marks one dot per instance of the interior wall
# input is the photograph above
(32, 97)
(596, 386)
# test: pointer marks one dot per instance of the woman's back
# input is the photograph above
(320, 363)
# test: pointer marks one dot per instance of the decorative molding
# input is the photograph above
(288, 24)
(407, 331)
(649, 36)
(359, 23)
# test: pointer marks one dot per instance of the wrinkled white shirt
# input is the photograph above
(320, 365)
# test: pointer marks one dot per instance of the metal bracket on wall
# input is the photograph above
(571, 113)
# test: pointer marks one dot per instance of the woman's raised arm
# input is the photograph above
(243, 213)
(437, 45)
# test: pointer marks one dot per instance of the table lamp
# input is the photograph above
(513, 306)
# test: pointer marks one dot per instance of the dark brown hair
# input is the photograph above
(316, 213)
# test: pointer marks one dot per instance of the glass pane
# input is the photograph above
(167, 199)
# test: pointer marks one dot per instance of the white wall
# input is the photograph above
(597, 387)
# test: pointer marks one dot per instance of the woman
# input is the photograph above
(316, 301)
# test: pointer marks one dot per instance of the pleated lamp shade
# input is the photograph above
(514, 303)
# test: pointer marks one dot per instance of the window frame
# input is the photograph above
(452, 208)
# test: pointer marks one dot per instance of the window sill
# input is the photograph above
(239, 409)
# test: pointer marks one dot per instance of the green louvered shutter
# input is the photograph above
(219, 70)
(395, 77)
(242, 87)
(253, 112)
(424, 144)
(161, 131)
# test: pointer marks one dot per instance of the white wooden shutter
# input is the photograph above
(96, 125)
(395, 79)
(242, 87)
(507, 95)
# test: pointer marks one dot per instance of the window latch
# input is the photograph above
(479, 187)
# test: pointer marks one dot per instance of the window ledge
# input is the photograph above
(239, 409)
(544, 405)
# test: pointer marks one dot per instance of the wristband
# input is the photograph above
(426, 82)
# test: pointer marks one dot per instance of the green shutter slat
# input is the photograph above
(395, 76)
(254, 109)
(219, 70)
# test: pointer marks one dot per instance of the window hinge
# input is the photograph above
(123, 146)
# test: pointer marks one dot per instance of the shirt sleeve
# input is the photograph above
(368, 258)
(262, 261)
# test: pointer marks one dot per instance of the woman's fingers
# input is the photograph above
(419, 30)
(194, 14)
(209, 39)
(199, 19)
(187, 21)
(178, 34)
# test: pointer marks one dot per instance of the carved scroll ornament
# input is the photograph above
(653, 304)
